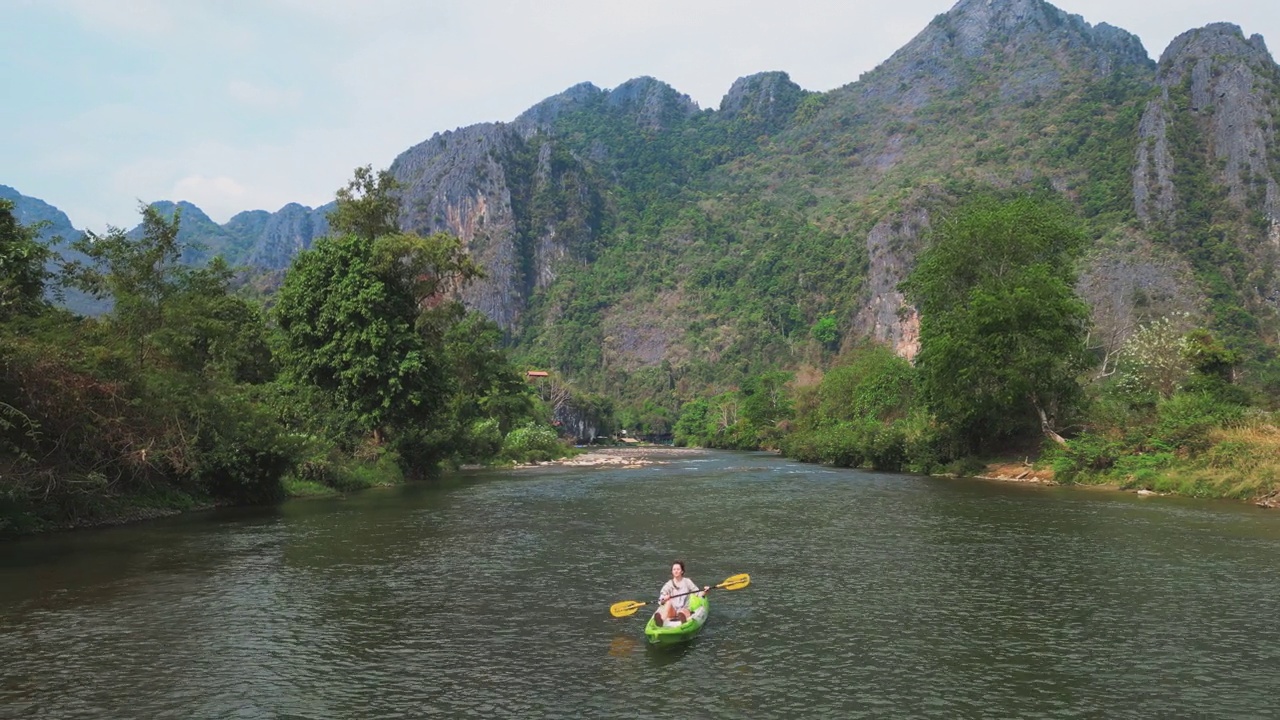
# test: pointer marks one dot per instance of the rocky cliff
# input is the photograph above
(1224, 89)
(1204, 177)
(519, 203)
(636, 240)
(522, 201)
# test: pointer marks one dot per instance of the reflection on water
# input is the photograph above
(871, 595)
(660, 656)
(623, 646)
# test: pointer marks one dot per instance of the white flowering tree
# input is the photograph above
(1155, 358)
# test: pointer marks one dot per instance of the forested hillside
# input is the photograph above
(640, 244)
(743, 276)
(637, 243)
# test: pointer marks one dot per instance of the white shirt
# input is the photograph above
(673, 588)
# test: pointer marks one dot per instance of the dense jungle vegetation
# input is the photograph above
(189, 394)
(1004, 369)
(712, 285)
(737, 247)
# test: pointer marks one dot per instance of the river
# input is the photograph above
(872, 595)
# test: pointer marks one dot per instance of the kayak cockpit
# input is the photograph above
(673, 631)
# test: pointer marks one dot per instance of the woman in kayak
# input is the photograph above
(676, 608)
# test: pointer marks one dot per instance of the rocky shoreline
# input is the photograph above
(638, 456)
(1017, 472)
(629, 456)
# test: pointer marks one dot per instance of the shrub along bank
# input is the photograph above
(1003, 368)
(189, 394)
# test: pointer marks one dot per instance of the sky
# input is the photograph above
(251, 104)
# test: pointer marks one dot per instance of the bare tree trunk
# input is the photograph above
(1047, 427)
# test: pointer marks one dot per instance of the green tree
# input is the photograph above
(695, 425)
(826, 332)
(766, 401)
(489, 397)
(1002, 332)
(212, 331)
(363, 318)
(140, 273)
(22, 265)
(871, 382)
(487, 384)
(347, 322)
(368, 206)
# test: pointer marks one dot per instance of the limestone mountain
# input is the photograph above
(262, 242)
(30, 211)
(524, 201)
(258, 239)
(634, 238)
(651, 249)
(1204, 180)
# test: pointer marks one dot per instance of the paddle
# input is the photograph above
(629, 607)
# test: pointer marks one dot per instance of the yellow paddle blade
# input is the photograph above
(625, 608)
(737, 582)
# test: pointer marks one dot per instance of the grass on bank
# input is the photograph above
(1242, 463)
(1239, 460)
(327, 473)
(327, 476)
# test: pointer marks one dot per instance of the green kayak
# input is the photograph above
(673, 632)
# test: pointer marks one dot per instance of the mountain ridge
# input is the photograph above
(637, 239)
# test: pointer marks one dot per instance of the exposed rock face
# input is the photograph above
(886, 317)
(1153, 192)
(1037, 39)
(261, 240)
(543, 115)
(520, 204)
(581, 423)
(1211, 130)
(1131, 283)
(976, 25)
(1226, 87)
(281, 235)
(1229, 77)
(655, 104)
(766, 100)
(456, 182)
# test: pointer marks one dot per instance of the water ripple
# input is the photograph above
(872, 596)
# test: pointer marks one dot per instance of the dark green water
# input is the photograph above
(871, 596)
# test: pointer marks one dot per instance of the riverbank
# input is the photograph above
(1014, 471)
(1203, 478)
(1184, 479)
(1200, 479)
(623, 456)
(17, 519)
